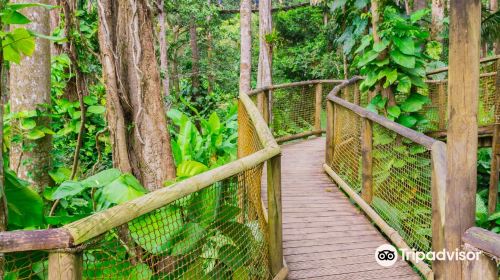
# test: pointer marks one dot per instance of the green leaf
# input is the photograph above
(402, 59)
(404, 84)
(123, 189)
(367, 58)
(155, 232)
(414, 103)
(407, 120)
(418, 15)
(214, 122)
(90, 100)
(141, 271)
(394, 111)
(18, 6)
(35, 134)
(192, 233)
(14, 17)
(96, 109)
(405, 45)
(380, 46)
(190, 168)
(232, 257)
(102, 178)
(17, 42)
(60, 175)
(365, 42)
(67, 189)
(27, 124)
(24, 205)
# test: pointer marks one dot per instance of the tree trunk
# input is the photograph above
(375, 20)
(210, 75)
(437, 20)
(419, 5)
(195, 60)
(264, 77)
(163, 49)
(246, 45)
(135, 111)
(29, 88)
(175, 64)
(494, 8)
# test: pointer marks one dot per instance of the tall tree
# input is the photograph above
(494, 8)
(30, 88)
(437, 19)
(419, 5)
(162, 38)
(246, 45)
(195, 59)
(264, 77)
(135, 111)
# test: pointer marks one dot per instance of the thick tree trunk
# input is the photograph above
(494, 8)
(210, 75)
(29, 88)
(419, 5)
(163, 49)
(264, 77)
(246, 45)
(437, 19)
(135, 111)
(195, 60)
(375, 20)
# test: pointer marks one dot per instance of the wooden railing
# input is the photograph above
(366, 154)
(66, 245)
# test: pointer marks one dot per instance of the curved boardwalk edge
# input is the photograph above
(324, 235)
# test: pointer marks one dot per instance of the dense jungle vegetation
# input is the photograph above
(103, 101)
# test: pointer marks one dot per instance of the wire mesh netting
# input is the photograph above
(218, 232)
(293, 110)
(24, 265)
(401, 176)
(211, 234)
(437, 110)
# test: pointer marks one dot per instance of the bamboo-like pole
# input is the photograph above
(274, 214)
(65, 266)
(367, 160)
(495, 155)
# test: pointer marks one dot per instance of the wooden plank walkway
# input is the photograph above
(324, 235)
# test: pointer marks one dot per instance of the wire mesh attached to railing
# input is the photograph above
(25, 265)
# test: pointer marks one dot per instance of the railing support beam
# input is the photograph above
(367, 160)
(317, 107)
(330, 119)
(65, 266)
(274, 214)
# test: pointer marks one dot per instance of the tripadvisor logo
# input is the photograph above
(386, 255)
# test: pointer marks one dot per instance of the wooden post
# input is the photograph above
(367, 160)
(438, 195)
(495, 153)
(442, 98)
(357, 97)
(463, 83)
(317, 108)
(485, 268)
(274, 213)
(65, 266)
(330, 119)
(263, 104)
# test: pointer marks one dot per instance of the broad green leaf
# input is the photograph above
(155, 232)
(242, 273)
(402, 59)
(96, 109)
(404, 84)
(418, 15)
(90, 100)
(380, 46)
(14, 17)
(27, 124)
(365, 42)
(192, 233)
(25, 206)
(120, 190)
(190, 168)
(18, 6)
(405, 45)
(367, 58)
(394, 111)
(214, 122)
(141, 271)
(102, 178)
(35, 134)
(414, 103)
(67, 189)
(60, 174)
(407, 120)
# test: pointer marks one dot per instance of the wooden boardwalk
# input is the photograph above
(325, 236)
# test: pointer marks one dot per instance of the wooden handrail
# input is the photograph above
(445, 69)
(411, 134)
(294, 84)
(484, 240)
(87, 228)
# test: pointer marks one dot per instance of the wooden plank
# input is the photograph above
(30, 240)
(367, 160)
(65, 266)
(484, 240)
(463, 83)
(274, 214)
